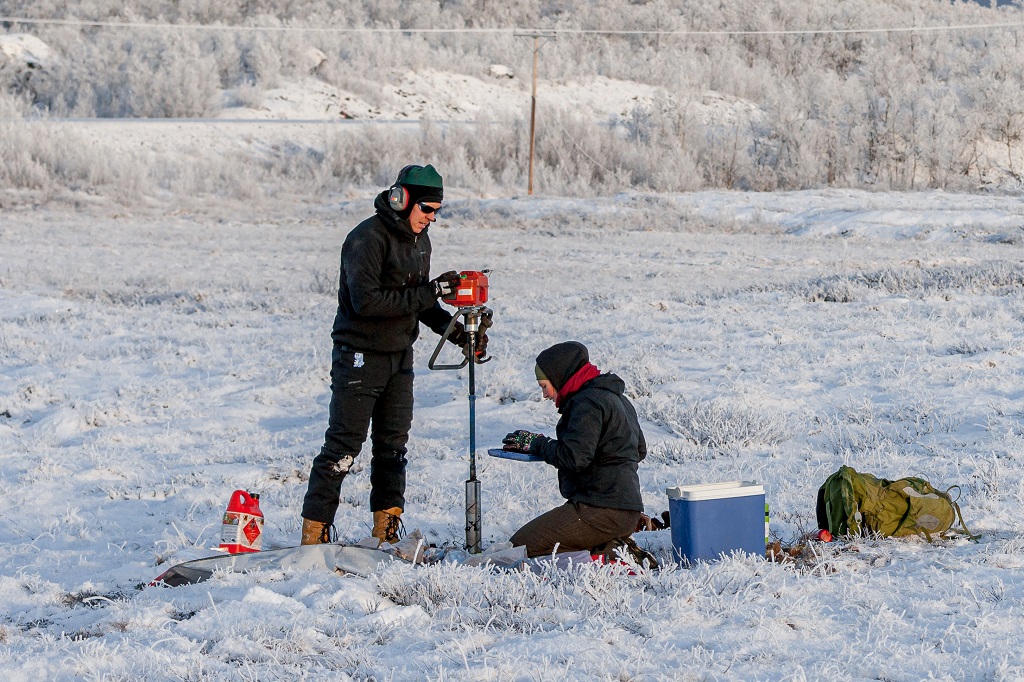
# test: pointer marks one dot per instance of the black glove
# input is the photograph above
(481, 345)
(445, 284)
(519, 441)
(652, 522)
(460, 337)
(486, 322)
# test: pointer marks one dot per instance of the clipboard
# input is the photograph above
(516, 456)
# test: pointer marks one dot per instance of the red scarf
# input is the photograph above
(575, 382)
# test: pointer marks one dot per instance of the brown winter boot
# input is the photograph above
(315, 532)
(387, 525)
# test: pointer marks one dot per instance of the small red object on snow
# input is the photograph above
(823, 535)
(242, 530)
(602, 559)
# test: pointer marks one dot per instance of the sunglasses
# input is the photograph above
(427, 209)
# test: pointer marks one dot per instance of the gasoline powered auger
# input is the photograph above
(469, 297)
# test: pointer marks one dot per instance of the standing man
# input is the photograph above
(383, 294)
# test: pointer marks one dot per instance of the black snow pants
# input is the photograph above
(366, 388)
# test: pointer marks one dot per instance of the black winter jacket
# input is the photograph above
(384, 290)
(598, 447)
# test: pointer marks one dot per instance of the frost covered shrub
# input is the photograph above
(519, 601)
(903, 110)
(161, 73)
(370, 157)
(41, 156)
(151, 74)
(245, 95)
(585, 160)
(830, 290)
(1000, 277)
(324, 282)
(665, 452)
(717, 423)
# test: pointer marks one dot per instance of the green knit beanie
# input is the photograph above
(423, 183)
(540, 373)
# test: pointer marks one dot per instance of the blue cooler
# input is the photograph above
(716, 518)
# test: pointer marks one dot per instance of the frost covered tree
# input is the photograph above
(816, 95)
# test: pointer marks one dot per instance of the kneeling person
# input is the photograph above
(598, 447)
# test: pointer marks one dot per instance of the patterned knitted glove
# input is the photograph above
(519, 441)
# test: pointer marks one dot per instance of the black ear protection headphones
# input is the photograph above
(398, 196)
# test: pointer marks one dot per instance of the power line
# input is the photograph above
(228, 27)
(510, 31)
(808, 31)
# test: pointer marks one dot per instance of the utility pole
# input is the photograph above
(536, 35)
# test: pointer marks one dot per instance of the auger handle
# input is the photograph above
(480, 323)
(440, 345)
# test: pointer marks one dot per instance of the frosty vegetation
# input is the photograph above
(154, 363)
(153, 360)
(876, 110)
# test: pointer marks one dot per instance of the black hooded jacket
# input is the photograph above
(384, 290)
(599, 442)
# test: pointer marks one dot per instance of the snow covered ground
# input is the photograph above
(153, 362)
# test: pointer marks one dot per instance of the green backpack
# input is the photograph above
(850, 503)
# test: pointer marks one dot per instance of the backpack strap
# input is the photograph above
(959, 514)
(906, 517)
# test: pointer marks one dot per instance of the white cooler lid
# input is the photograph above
(714, 491)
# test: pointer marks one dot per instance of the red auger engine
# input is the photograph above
(472, 290)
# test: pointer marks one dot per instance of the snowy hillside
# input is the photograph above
(439, 96)
(631, 96)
